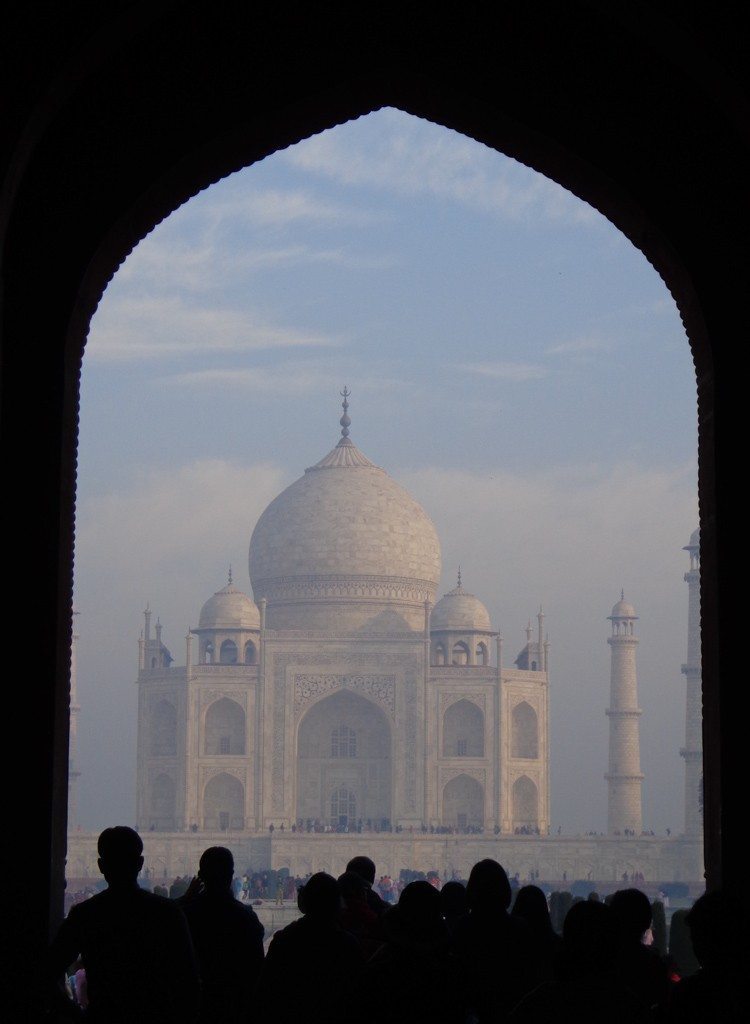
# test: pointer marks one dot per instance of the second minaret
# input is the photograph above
(625, 815)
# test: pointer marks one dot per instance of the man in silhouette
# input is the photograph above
(495, 952)
(228, 941)
(313, 966)
(365, 868)
(135, 946)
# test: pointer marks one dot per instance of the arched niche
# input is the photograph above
(163, 730)
(228, 653)
(223, 803)
(463, 730)
(224, 728)
(524, 731)
(460, 653)
(438, 654)
(344, 741)
(525, 803)
(163, 803)
(251, 653)
(482, 654)
(463, 803)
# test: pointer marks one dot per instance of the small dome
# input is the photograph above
(694, 542)
(460, 612)
(229, 608)
(623, 610)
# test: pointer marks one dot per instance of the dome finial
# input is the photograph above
(622, 594)
(345, 420)
(459, 576)
(229, 575)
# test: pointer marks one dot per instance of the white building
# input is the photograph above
(344, 695)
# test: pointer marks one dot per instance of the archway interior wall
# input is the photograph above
(323, 766)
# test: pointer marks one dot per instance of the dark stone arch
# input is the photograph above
(98, 155)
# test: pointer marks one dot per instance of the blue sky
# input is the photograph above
(513, 360)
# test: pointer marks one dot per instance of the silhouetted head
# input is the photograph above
(454, 902)
(715, 923)
(363, 867)
(488, 886)
(531, 906)
(416, 921)
(216, 867)
(320, 897)
(353, 887)
(632, 910)
(681, 945)
(120, 854)
(591, 938)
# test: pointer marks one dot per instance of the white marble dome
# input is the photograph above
(460, 612)
(344, 533)
(623, 610)
(229, 608)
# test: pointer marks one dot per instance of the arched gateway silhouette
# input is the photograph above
(136, 161)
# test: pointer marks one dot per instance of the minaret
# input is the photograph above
(692, 752)
(73, 773)
(625, 813)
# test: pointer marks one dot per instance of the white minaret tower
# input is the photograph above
(625, 813)
(73, 773)
(692, 752)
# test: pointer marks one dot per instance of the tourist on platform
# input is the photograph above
(313, 966)
(228, 941)
(494, 951)
(135, 946)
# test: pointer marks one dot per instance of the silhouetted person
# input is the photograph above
(641, 967)
(412, 977)
(681, 953)
(531, 906)
(228, 941)
(365, 868)
(719, 990)
(356, 917)
(494, 951)
(454, 903)
(588, 989)
(313, 965)
(135, 946)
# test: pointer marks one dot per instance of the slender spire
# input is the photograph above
(622, 594)
(229, 575)
(459, 577)
(345, 420)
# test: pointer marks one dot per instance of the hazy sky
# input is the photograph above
(514, 362)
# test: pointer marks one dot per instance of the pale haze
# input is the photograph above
(514, 362)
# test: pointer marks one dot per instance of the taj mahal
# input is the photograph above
(348, 708)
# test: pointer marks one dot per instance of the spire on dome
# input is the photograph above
(458, 584)
(345, 420)
(229, 575)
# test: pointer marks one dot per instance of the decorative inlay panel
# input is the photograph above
(308, 688)
(238, 695)
(446, 774)
(446, 699)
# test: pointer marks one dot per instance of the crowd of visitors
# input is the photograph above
(449, 953)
